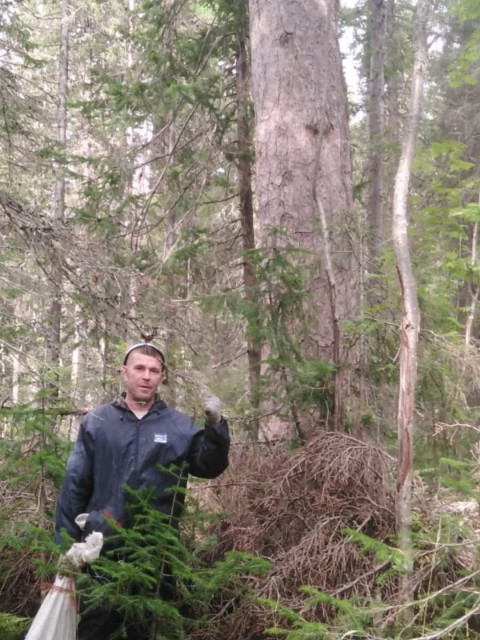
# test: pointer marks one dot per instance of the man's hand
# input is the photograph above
(213, 409)
(81, 553)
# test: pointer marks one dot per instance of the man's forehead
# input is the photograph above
(144, 347)
(136, 358)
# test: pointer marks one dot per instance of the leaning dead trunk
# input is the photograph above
(410, 322)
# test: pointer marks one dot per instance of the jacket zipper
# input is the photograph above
(137, 446)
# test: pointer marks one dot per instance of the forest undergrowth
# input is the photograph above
(324, 516)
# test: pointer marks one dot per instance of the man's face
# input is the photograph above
(142, 375)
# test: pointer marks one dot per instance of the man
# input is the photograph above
(135, 441)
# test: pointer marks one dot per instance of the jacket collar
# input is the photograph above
(120, 403)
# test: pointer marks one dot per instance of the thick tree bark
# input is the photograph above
(303, 157)
(410, 323)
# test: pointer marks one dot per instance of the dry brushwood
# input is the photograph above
(19, 586)
(294, 508)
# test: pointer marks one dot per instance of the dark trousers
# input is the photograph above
(96, 624)
(101, 624)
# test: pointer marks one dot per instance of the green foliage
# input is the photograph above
(277, 315)
(154, 575)
(47, 452)
(361, 616)
(460, 476)
(171, 67)
(312, 377)
(32, 464)
(382, 551)
(12, 627)
(353, 618)
(301, 629)
(463, 70)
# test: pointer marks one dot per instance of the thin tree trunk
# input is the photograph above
(392, 100)
(171, 346)
(332, 290)
(410, 322)
(76, 354)
(474, 291)
(378, 13)
(55, 314)
(246, 205)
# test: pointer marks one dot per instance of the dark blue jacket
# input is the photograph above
(115, 448)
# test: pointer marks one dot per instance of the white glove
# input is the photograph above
(81, 553)
(213, 409)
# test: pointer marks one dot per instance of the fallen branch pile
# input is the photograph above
(294, 508)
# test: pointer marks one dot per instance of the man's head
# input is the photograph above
(143, 371)
(148, 349)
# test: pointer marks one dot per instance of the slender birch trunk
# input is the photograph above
(410, 322)
(474, 291)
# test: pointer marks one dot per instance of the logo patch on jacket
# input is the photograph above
(160, 437)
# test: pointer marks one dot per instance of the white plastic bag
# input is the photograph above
(57, 617)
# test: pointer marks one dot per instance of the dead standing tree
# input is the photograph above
(410, 322)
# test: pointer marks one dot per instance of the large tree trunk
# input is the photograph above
(410, 323)
(303, 175)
